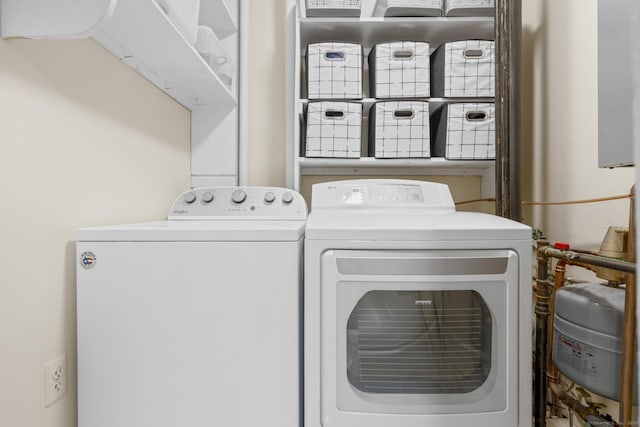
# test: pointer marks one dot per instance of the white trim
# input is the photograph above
(292, 172)
(243, 119)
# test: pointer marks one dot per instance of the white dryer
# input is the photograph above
(194, 321)
(415, 315)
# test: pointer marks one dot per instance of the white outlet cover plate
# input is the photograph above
(55, 380)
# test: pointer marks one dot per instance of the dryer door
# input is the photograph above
(409, 336)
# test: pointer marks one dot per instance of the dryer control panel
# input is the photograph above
(382, 194)
(239, 202)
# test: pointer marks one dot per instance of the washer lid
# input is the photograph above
(197, 231)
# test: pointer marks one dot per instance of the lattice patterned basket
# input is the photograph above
(333, 8)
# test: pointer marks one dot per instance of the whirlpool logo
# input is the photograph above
(88, 260)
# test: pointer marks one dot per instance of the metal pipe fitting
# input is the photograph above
(508, 33)
(587, 413)
(542, 327)
(578, 257)
(628, 326)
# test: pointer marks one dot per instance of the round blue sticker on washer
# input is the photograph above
(88, 259)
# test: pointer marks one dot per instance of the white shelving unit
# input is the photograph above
(368, 31)
(140, 33)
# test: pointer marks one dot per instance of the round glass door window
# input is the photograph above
(419, 342)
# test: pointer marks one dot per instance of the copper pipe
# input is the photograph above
(542, 311)
(552, 371)
(587, 413)
(580, 264)
(628, 326)
(576, 202)
(540, 356)
(560, 274)
(560, 271)
(577, 257)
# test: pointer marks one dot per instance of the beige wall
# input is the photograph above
(84, 141)
(267, 61)
(560, 129)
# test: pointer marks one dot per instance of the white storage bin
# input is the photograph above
(399, 70)
(408, 8)
(214, 54)
(334, 129)
(469, 7)
(333, 8)
(334, 71)
(399, 129)
(184, 15)
(464, 69)
(465, 131)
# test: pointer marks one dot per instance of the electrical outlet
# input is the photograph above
(55, 380)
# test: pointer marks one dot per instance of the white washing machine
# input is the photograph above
(415, 315)
(194, 321)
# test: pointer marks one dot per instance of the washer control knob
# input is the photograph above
(287, 198)
(190, 198)
(207, 197)
(238, 196)
(269, 197)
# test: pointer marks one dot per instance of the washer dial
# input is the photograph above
(287, 198)
(207, 197)
(189, 198)
(238, 196)
(269, 197)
